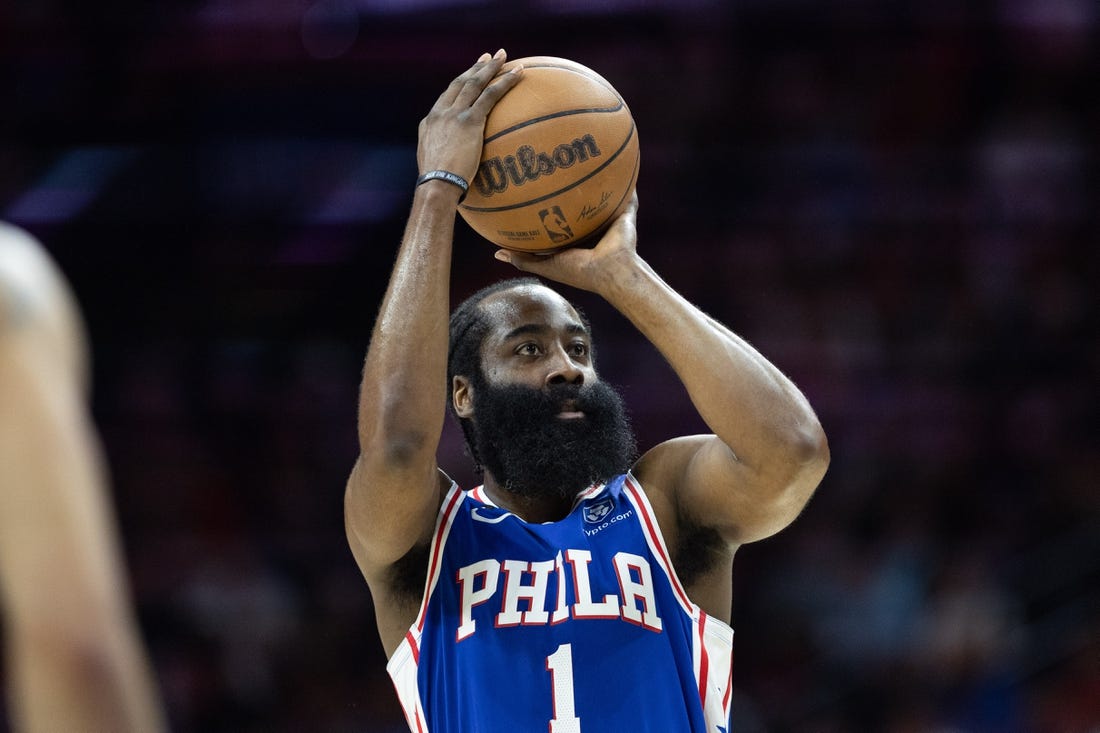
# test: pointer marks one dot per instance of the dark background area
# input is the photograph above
(895, 201)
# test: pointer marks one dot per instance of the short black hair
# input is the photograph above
(469, 325)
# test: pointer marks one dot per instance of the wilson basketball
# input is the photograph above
(560, 159)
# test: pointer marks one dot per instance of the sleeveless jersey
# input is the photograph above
(575, 626)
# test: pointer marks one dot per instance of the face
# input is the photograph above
(544, 424)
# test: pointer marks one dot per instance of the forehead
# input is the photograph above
(528, 306)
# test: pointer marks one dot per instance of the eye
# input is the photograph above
(529, 348)
(578, 348)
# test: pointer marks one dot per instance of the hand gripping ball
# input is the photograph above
(559, 163)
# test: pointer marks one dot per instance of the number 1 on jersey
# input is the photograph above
(560, 665)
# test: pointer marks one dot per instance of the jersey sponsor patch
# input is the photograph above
(594, 513)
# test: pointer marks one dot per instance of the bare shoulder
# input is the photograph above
(382, 535)
(391, 545)
(704, 484)
(667, 474)
(664, 468)
(700, 554)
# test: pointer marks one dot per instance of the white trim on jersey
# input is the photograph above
(439, 539)
(404, 662)
(717, 639)
(656, 540)
(712, 647)
(588, 493)
(403, 671)
(478, 492)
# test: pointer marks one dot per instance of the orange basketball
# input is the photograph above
(560, 159)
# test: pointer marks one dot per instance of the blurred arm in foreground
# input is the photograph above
(74, 656)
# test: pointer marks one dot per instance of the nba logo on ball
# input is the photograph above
(559, 163)
(556, 225)
(595, 513)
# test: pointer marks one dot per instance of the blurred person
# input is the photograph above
(74, 658)
(576, 588)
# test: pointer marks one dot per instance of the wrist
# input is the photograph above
(452, 179)
(438, 191)
(623, 274)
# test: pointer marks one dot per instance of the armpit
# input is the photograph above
(407, 576)
(698, 549)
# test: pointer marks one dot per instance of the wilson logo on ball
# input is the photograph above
(494, 174)
(559, 159)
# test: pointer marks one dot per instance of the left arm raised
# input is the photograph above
(768, 452)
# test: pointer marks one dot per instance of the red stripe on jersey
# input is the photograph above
(588, 493)
(413, 646)
(658, 543)
(415, 716)
(437, 548)
(704, 661)
(729, 690)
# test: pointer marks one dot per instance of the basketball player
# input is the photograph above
(576, 589)
(73, 657)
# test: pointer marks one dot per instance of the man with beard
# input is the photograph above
(573, 590)
(520, 439)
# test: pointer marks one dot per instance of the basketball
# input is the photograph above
(559, 163)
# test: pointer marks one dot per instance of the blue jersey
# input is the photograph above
(576, 626)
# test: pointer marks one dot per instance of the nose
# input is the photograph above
(563, 370)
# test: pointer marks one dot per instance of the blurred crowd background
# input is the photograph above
(897, 201)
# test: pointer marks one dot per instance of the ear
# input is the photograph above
(462, 396)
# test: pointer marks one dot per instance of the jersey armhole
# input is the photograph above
(444, 520)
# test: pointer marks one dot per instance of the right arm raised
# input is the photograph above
(394, 490)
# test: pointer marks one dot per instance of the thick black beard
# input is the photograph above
(532, 452)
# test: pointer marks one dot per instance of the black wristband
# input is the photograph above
(447, 176)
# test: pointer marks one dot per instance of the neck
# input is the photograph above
(535, 509)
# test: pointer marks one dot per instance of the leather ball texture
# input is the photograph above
(559, 163)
